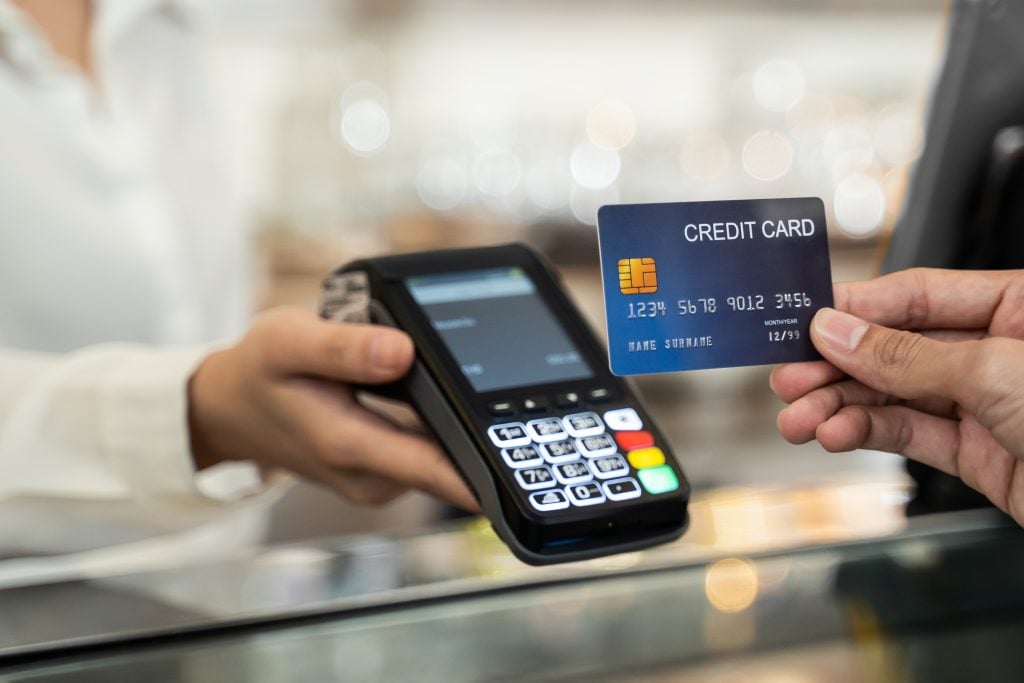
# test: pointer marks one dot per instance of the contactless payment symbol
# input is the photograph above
(638, 276)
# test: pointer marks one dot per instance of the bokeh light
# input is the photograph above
(898, 134)
(441, 183)
(548, 184)
(731, 584)
(859, 205)
(585, 202)
(593, 167)
(811, 119)
(779, 84)
(365, 126)
(363, 91)
(767, 155)
(611, 125)
(496, 172)
(704, 156)
(848, 149)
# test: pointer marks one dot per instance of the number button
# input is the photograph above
(548, 429)
(583, 424)
(586, 494)
(623, 419)
(535, 478)
(596, 446)
(572, 473)
(559, 451)
(522, 456)
(549, 500)
(511, 434)
(609, 467)
(622, 489)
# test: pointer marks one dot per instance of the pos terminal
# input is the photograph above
(565, 462)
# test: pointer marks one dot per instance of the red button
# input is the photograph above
(629, 441)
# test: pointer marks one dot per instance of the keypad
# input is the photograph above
(623, 419)
(622, 489)
(583, 424)
(559, 451)
(596, 446)
(533, 478)
(586, 494)
(521, 456)
(583, 458)
(548, 429)
(510, 434)
(572, 472)
(609, 467)
(630, 441)
(549, 500)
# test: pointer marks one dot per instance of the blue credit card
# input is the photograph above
(692, 285)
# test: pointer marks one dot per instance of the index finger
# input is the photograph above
(928, 298)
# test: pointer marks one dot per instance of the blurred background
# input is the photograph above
(364, 127)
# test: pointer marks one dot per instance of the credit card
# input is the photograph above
(693, 285)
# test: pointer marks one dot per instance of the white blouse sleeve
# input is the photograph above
(108, 423)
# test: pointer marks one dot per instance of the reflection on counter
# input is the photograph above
(939, 600)
(356, 571)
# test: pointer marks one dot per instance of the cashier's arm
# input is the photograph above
(281, 397)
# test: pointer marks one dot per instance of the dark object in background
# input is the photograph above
(965, 207)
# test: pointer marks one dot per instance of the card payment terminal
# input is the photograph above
(564, 460)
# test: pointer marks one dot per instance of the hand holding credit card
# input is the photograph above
(693, 285)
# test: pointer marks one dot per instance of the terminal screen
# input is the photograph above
(500, 332)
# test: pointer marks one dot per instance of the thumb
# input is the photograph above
(904, 364)
(295, 342)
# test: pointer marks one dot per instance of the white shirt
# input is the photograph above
(121, 260)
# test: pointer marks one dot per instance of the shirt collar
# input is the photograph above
(25, 48)
(114, 18)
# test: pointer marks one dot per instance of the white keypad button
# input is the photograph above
(572, 473)
(509, 435)
(545, 430)
(521, 456)
(622, 489)
(609, 467)
(583, 424)
(549, 500)
(596, 446)
(585, 494)
(534, 478)
(623, 419)
(559, 451)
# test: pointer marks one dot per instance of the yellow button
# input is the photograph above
(646, 457)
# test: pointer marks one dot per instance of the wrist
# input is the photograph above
(201, 417)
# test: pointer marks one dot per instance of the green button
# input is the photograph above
(659, 479)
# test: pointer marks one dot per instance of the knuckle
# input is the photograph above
(988, 361)
(904, 434)
(896, 351)
(334, 448)
(990, 372)
(1011, 309)
(919, 306)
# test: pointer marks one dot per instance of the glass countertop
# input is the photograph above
(836, 597)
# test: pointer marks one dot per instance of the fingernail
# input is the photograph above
(388, 351)
(839, 330)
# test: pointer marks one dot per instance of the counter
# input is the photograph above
(830, 599)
